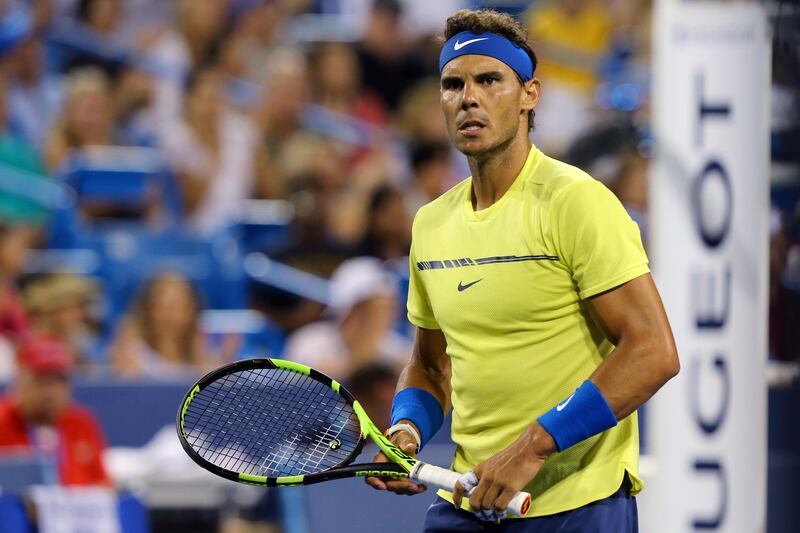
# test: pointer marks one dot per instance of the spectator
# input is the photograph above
(14, 243)
(388, 63)
(420, 117)
(311, 248)
(287, 92)
(18, 154)
(362, 308)
(34, 95)
(179, 51)
(132, 88)
(337, 84)
(433, 174)
(613, 153)
(15, 240)
(102, 21)
(630, 186)
(572, 37)
(388, 233)
(38, 416)
(15, 151)
(212, 151)
(87, 118)
(102, 16)
(59, 308)
(578, 33)
(254, 33)
(162, 339)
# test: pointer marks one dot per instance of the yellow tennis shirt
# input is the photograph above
(507, 286)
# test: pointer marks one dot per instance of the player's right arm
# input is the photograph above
(428, 369)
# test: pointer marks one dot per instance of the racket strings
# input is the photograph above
(271, 422)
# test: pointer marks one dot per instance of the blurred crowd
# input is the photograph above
(332, 111)
(325, 110)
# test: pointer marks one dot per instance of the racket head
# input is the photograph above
(271, 422)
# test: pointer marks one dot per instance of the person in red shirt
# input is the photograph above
(38, 416)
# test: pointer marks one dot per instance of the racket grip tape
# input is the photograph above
(446, 479)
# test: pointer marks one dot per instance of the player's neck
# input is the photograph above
(494, 173)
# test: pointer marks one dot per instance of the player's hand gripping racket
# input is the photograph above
(278, 423)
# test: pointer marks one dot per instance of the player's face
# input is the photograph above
(484, 104)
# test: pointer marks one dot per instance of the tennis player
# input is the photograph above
(537, 318)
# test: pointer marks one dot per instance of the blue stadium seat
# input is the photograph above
(126, 176)
(123, 180)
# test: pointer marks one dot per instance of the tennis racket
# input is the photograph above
(278, 423)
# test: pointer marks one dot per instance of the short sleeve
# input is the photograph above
(420, 312)
(596, 238)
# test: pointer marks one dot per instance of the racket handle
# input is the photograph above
(446, 479)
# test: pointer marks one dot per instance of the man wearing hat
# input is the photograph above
(362, 309)
(38, 416)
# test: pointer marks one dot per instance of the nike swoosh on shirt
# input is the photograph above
(562, 405)
(459, 46)
(462, 287)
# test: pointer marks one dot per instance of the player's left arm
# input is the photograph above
(645, 358)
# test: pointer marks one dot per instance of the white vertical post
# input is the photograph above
(710, 251)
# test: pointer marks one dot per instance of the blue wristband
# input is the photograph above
(420, 407)
(581, 415)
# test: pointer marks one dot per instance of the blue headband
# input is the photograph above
(488, 44)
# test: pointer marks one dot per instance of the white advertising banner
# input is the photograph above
(709, 245)
(75, 509)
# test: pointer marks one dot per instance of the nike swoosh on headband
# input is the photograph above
(459, 46)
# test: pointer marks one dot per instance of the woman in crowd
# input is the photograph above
(212, 151)
(162, 338)
(86, 120)
(337, 84)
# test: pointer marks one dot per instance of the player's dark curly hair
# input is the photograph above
(491, 21)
